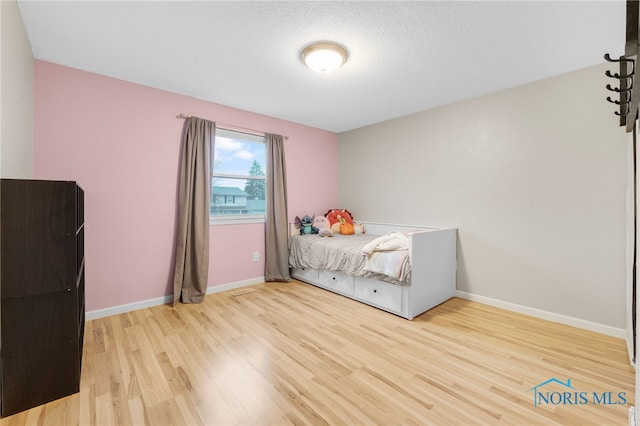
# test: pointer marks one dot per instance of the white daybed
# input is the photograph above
(432, 255)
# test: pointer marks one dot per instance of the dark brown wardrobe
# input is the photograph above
(41, 291)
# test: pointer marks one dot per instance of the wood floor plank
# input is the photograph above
(293, 354)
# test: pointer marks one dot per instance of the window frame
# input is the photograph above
(235, 219)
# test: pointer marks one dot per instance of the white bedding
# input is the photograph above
(393, 241)
(344, 253)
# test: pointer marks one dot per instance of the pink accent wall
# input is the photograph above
(121, 142)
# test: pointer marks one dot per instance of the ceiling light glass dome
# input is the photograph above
(324, 57)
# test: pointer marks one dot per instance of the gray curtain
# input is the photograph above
(192, 244)
(276, 257)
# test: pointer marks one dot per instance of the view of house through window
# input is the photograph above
(238, 187)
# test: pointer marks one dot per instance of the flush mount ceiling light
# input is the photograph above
(324, 57)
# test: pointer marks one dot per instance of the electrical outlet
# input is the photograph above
(256, 256)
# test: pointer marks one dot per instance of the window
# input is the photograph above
(238, 190)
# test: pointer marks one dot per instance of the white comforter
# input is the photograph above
(388, 255)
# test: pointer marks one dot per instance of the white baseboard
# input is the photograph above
(120, 309)
(551, 316)
(538, 313)
(632, 416)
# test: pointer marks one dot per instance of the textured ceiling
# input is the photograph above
(405, 57)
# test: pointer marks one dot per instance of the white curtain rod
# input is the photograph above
(232, 127)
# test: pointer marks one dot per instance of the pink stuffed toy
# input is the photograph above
(324, 228)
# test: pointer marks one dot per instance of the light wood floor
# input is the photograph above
(296, 354)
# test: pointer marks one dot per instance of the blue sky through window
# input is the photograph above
(235, 156)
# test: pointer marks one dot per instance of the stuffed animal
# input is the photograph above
(305, 225)
(322, 223)
(358, 228)
(345, 227)
(335, 216)
(325, 232)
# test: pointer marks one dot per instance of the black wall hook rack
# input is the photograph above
(624, 88)
(628, 98)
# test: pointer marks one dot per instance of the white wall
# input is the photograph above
(533, 178)
(16, 95)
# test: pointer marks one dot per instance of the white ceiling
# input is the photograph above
(405, 57)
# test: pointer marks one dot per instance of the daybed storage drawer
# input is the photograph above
(337, 281)
(305, 274)
(385, 295)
